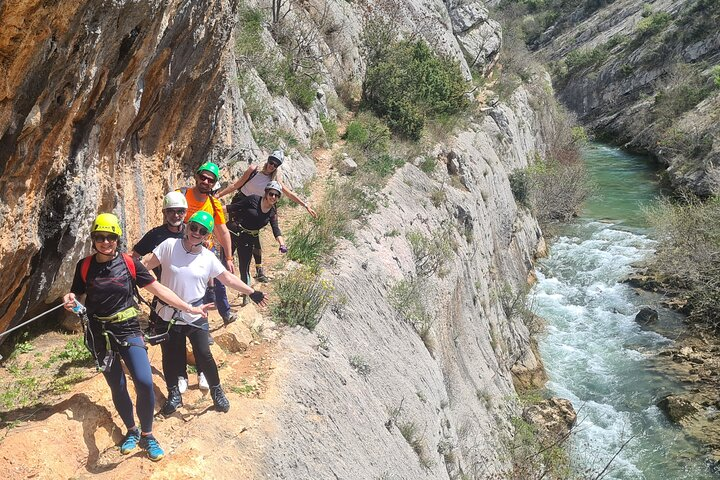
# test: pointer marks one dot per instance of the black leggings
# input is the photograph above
(245, 244)
(173, 352)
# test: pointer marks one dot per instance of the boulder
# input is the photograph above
(347, 166)
(464, 17)
(233, 338)
(677, 408)
(646, 316)
(554, 417)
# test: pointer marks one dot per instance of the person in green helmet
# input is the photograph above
(200, 198)
(108, 279)
(187, 266)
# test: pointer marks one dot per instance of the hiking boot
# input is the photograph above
(202, 382)
(260, 275)
(174, 401)
(229, 318)
(130, 442)
(182, 384)
(222, 404)
(211, 341)
(152, 447)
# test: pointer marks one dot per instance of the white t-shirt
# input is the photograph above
(186, 274)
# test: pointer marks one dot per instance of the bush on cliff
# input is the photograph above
(688, 256)
(407, 84)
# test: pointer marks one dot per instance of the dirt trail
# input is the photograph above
(75, 434)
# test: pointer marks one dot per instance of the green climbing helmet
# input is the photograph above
(203, 218)
(210, 167)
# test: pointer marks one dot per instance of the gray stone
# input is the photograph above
(646, 316)
(347, 166)
(677, 408)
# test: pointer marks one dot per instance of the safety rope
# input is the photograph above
(30, 321)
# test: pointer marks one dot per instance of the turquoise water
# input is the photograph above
(595, 353)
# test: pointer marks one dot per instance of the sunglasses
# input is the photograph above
(206, 179)
(105, 238)
(195, 228)
(274, 164)
(274, 194)
(176, 211)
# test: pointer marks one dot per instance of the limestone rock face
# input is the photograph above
(480, 37)
(553, 417)
(102, 108)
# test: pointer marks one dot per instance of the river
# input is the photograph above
(595, 354)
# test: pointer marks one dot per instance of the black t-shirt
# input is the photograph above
(109, 290)
(152, 239)
(248, 214)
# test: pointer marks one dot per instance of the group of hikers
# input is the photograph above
(191, 256)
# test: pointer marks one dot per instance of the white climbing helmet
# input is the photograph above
(277, 155)
(175, 200)
(274, 185)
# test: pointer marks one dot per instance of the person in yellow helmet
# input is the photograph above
(108, 279)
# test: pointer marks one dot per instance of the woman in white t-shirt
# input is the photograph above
(187, 266)
(253, 182)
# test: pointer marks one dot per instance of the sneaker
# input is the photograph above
(182, 384)
(229, 318)
(152, 447)
(261, 275)
(202, 382)
(130, 442)
(174, 401)
(222, 404)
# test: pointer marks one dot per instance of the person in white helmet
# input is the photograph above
(253, 213)
(174, 210)
(253, 182)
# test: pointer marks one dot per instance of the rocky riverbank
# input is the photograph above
(693, 359)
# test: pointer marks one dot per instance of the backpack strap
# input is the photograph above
(252, 174)
(84, 267)
(130, 265)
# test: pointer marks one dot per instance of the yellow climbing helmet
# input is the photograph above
(106, 222)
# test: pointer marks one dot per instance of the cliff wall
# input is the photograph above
(455, 389)
(642, 75)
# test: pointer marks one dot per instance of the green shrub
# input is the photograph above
(300, 88)
(682, 94)
(368, 134)
(384, 165)
(407, 84)
(302, 297)
(432, 253)
(406, 297)
(428, 165)
(581, 59)
(688, 255)
(654, 23)
(715, 73)
(331, 129)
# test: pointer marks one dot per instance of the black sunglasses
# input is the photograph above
(273, 194)
(274, 164)
(176, 211)
(194, 227)
(104, 238)
(206, 179)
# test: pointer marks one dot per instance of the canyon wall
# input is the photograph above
(644, 75)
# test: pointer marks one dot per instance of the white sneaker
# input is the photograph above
(202, 382)
(182, 384)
